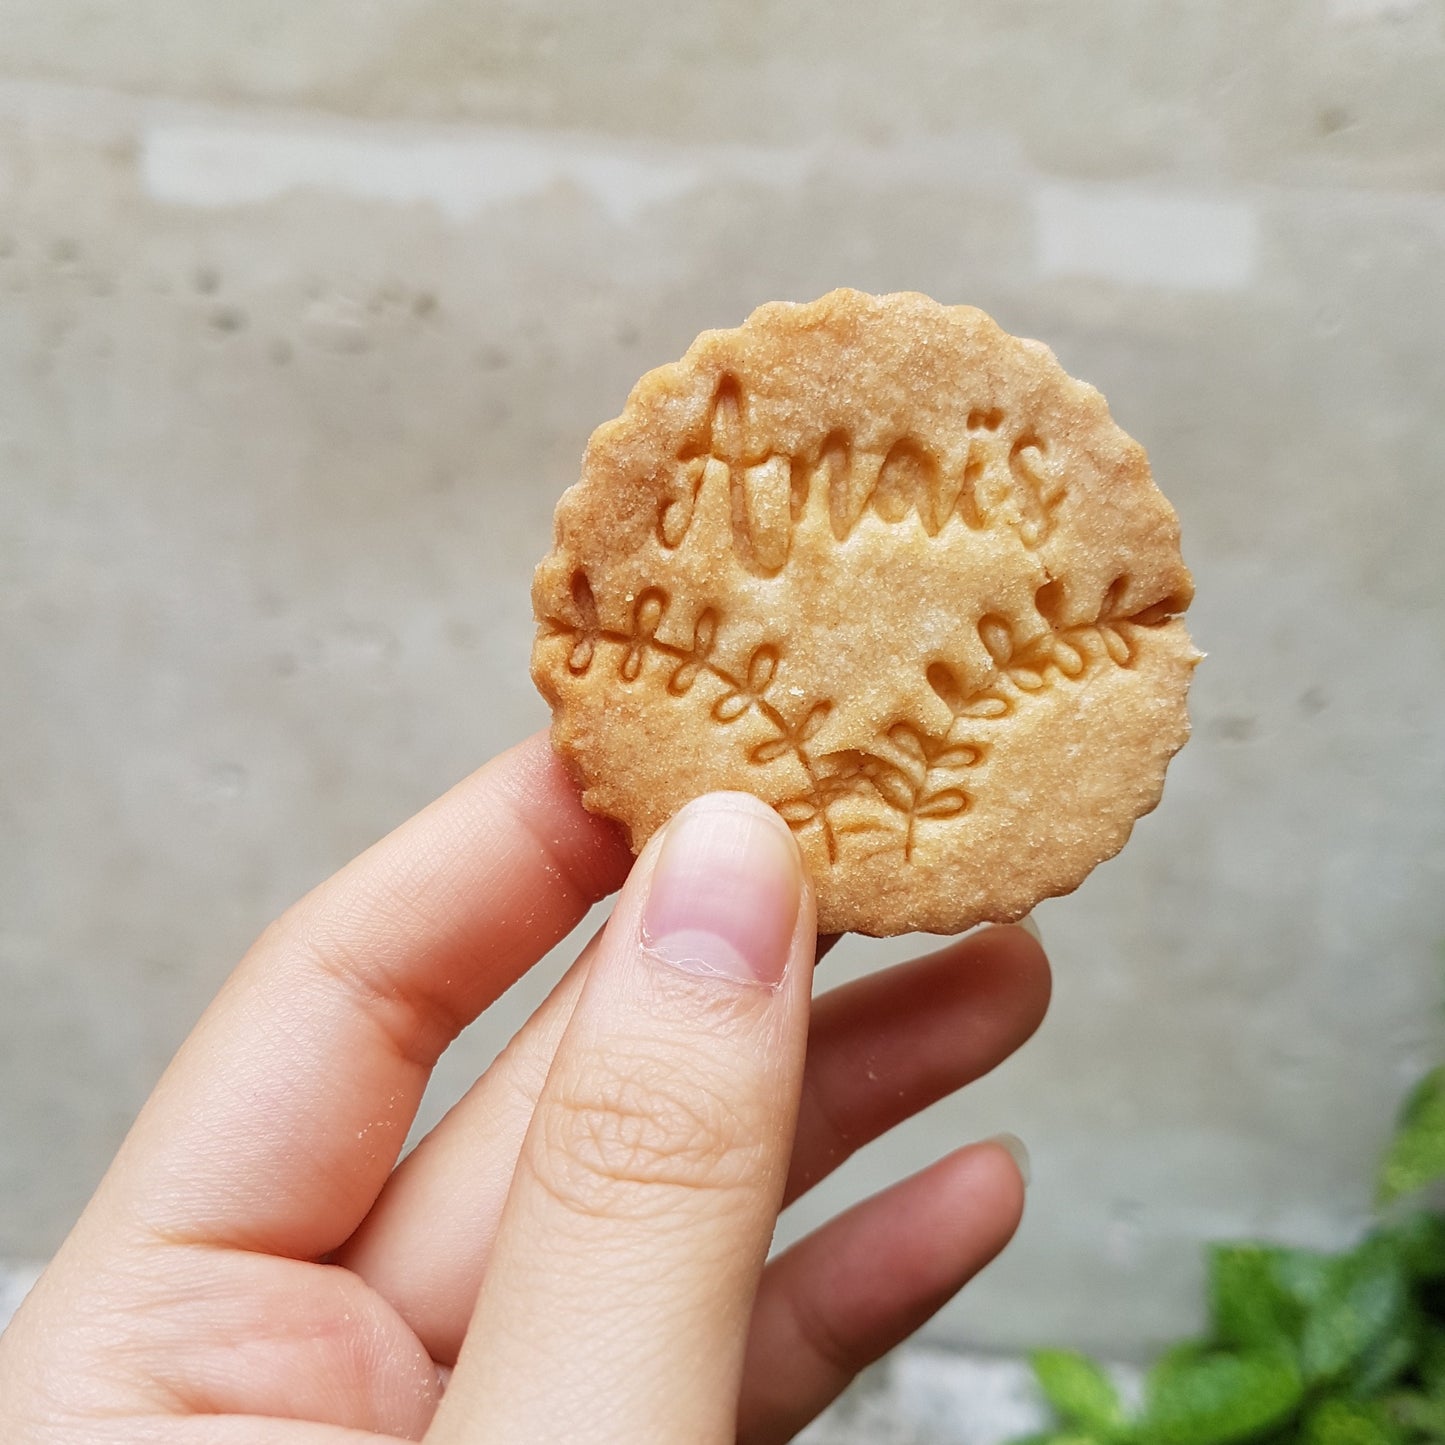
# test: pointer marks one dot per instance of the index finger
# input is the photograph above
(282, 1115)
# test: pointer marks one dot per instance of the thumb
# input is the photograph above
(617, 1300)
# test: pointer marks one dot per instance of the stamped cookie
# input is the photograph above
(893, 571)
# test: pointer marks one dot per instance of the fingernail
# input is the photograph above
(1019, 1150)
(725, 891)
(1030, 927)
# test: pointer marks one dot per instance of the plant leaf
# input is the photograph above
(797, 811)
(1068, 659)
(1305, 1274)
(650, 610)
(1249, 1303)
(731, 706)
(1417, 1413)
(997, 638)
(813, 723)
(704, 634)
(907, 741)
(682, 680)
(771, 751)
(1416, 1156)
(1220, 1398)
(948, 803)
(1184, 1352)
(1115, 645)
(761, 667)
(1057, 1437)
(581, 658)
(986, 705)
(892, 784)
(1430, 1361)
(1420, 1239)
(1340, 1422)
(1079, 1392)
(960, 755)
(1365, 1298)
(1387, 1360)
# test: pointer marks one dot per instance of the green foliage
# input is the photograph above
(1417, 1154)
(1220, 1397)
(1416, 1416)
(1361, 1306)
(1304, 1347)
(1421, 1241)
(1079, 1392)
(1255, 1293)
(1343, 1422)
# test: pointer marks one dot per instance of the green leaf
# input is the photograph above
(1250, 1302)
(1416, 1156)
(1430, 1364)
(1057, 1437)
(1340, 1422)
(1365, 1298)
(1078, 1390)
(1184, 1352)
(1335, 1309)
(1388, 1359)
(1416, 1413)
(1219, 1398)
(1420, 1239)
(1306, 1274)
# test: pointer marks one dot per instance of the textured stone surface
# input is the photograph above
(306, 314)
(16, 1281)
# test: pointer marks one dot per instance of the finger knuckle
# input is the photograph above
(641, 1135)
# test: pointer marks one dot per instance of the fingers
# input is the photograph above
(897, 1041)
(879, 1050)
(425, 1244)
(616, 1301)
(844, 1296)
(283, 1114)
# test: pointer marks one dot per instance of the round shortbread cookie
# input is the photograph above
(891, 570)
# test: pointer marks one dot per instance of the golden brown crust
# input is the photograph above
(895, 572)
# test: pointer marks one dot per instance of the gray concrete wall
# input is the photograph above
(306, 312)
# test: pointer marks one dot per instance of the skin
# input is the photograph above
(579, 1250)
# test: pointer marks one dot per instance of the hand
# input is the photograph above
(584, 1236)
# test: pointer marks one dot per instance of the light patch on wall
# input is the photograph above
(218, 165)
(1143, 237)
(1351, 10)
(16, 1281)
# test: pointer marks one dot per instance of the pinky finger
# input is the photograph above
(847, 1293)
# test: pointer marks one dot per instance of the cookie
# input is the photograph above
(891, 570)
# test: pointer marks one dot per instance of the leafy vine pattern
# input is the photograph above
(743, 694)
(920, 777)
